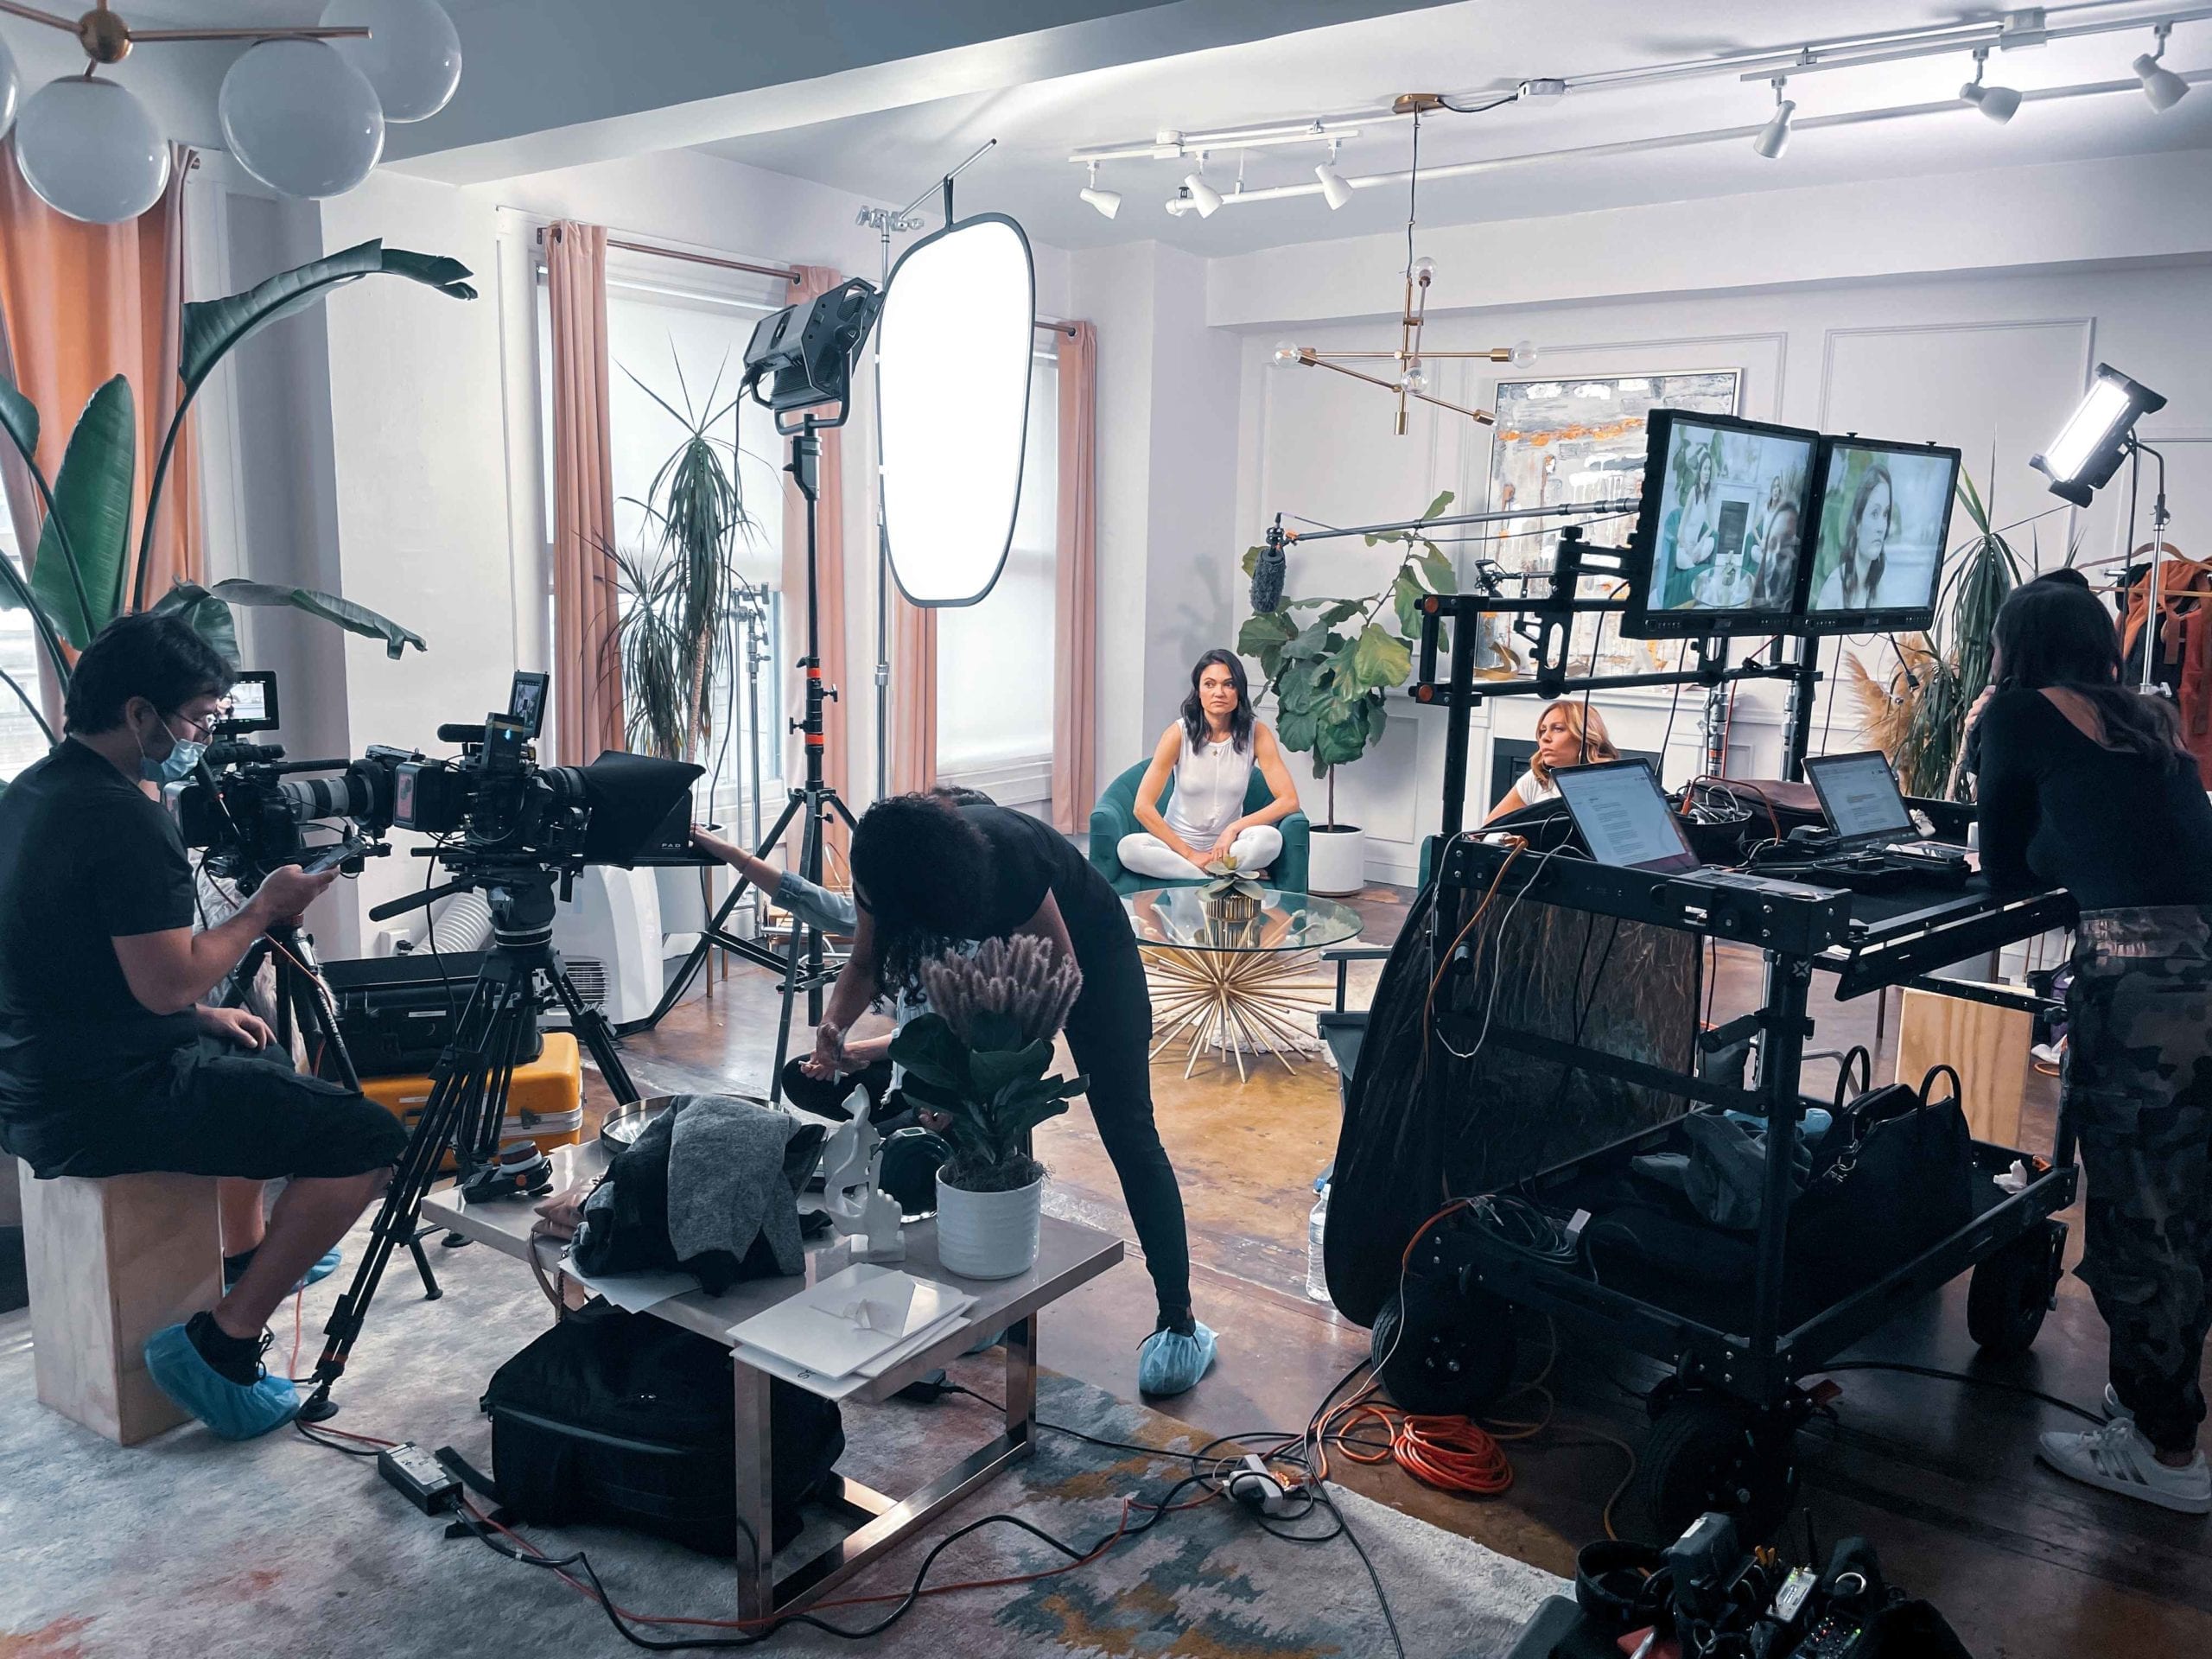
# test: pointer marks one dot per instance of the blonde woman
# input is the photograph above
(1568, 734)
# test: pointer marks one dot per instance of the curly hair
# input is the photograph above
(919, 871)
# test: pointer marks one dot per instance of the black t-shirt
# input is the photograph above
(2058, 809)
(84, 858)
(1029, 858)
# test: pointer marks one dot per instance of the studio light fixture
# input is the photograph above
(1408, 376)
(1334, 190)
(303, 109)
(1997, 102)
(1108, 202)
(2088, 449)
(2160, 85)
(1774, 137)
(1201, 194)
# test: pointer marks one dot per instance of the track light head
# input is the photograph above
(1334, 190)
(1997, 102)
(1108, 202)
(1202, 195)
(1774, 137)
(2160, 85)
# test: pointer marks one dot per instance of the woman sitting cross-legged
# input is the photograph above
(1209, 752)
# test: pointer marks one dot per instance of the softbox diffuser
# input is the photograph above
(953, 349)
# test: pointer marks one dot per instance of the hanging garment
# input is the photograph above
(2181, 644)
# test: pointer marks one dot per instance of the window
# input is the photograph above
(690, 346)
(995, 658)
(21, 740)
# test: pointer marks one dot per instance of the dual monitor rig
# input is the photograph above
(1744, 530)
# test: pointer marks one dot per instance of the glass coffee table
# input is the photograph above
(1236, 984)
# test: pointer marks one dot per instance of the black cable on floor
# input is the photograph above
(1990, 1383)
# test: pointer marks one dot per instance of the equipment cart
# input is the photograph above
(1726, 1420)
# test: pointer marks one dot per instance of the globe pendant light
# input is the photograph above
(301, 118)
(412, 55)
(92, 150)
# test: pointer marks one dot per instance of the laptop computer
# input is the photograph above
(1867, 809)
(1623, 816)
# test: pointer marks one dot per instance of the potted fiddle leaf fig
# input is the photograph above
(979, 1060)
(1333, 670)
(1229, 895)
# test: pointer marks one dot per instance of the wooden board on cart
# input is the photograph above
(1986, 1044)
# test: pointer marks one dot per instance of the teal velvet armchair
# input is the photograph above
(1116, 816)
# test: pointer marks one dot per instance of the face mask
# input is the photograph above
(175, 766)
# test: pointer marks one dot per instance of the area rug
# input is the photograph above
(190, 1546)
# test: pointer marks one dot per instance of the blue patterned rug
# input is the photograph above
(189, 1547)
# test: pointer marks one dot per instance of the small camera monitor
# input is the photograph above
(526, 703)
(1878, 555)
(253, 704)
(1721, 529)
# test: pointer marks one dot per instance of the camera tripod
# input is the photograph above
(805, 966)
(469, 1086)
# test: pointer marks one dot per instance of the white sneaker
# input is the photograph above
(2119, 1459)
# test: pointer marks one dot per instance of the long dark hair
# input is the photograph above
(919, 871)
(1877, 474)
(2057, 633)
(1239, 718)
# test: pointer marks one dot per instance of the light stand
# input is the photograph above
(2159, 519)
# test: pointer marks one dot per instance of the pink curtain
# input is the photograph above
(587, 655)
(913, 698)
(1075, 630)
(829, 579)
(81, 304)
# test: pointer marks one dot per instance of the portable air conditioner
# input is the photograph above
(609, 936)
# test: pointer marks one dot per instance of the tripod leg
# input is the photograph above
(699, 951)
(592, 1026)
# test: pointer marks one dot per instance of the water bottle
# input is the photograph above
(1317, 1274)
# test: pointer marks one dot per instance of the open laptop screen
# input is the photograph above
(1860, 796)
(1623, 816)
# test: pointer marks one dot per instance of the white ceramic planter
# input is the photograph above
(987, 1235)
(1336, 860)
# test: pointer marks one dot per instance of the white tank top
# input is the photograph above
(1210, 783)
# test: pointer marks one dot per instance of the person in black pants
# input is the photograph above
(2084, 785)
(930, 876)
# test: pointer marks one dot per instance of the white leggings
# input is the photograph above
(1255, 848)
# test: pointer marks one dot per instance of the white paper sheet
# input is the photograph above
(634, 1292)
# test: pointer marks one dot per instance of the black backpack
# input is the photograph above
(625, 1420)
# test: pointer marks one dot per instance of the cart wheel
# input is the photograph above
(1707, 1452)
(2011, 1290)
(1451, 1356)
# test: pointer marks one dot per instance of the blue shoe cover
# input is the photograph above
(327, 1263)
(1171, 1362)
(232, 1410)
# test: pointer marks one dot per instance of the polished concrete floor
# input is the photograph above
(1939, 1476)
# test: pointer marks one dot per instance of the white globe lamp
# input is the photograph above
(90, 150)
(413, 56)
(301, 118)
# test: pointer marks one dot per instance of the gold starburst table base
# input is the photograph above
(1233, 1002)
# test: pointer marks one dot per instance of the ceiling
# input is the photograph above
(888, 153)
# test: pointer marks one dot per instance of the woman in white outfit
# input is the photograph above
(1566, 735)
(1211, 752)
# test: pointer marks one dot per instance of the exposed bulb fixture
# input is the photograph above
(1108, 202)
(1286, 352)
(1334, 190)
(2160, 85)
(1521, 353)
(1774, 137)
(1416, 378)
(1202, 196)
(1997, 102)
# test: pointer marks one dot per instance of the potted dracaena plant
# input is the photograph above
(979, 1056)
(1331, 671)
(84, 571)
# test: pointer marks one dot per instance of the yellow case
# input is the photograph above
(546, 1103)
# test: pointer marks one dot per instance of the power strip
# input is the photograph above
(421, 1479)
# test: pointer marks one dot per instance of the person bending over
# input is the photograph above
(809, 1083)
(929, 877)
(110, 1063)
(2085, 784)
(1566, 735)
(1209, 752)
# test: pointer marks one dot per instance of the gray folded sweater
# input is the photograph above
(730, 1180)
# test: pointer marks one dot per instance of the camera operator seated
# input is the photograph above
(109, 1063)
